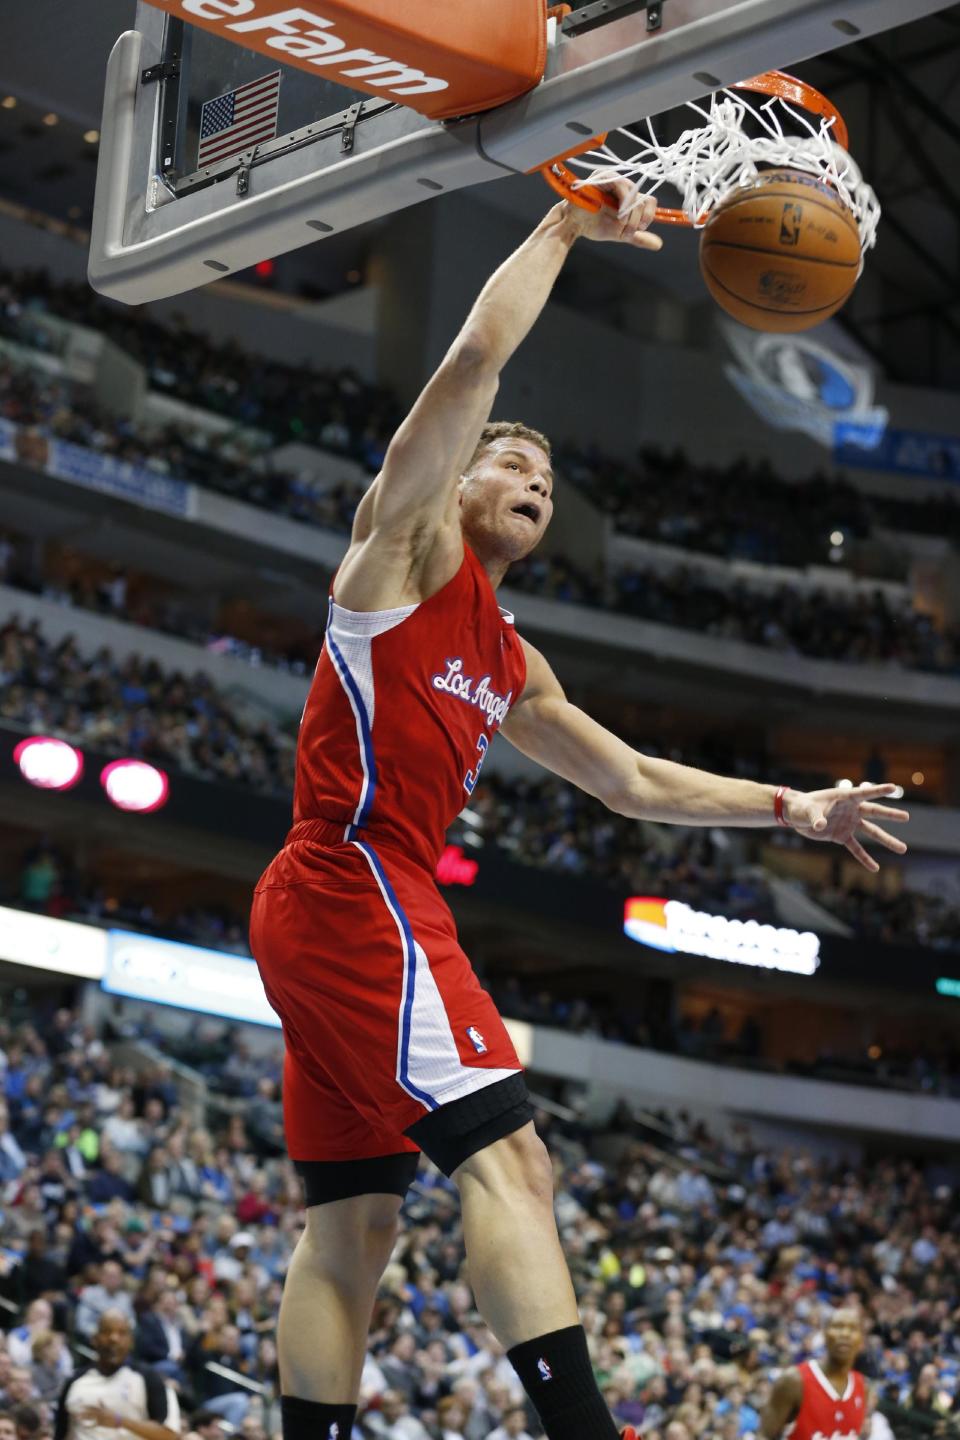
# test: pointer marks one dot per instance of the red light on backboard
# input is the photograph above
(48, 763)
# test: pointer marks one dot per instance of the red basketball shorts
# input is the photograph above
(383, 1017)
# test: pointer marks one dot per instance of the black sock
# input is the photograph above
(309, 1420)
(556, 1373)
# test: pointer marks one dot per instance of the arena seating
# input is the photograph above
(186, 722)
(746, 512)
(703, 1262)
(817, 624)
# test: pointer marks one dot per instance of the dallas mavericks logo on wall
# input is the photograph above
(797, 383)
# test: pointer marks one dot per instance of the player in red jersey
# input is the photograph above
(392, 1047)
(825, 1401)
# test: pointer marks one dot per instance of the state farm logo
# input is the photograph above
(310, 39)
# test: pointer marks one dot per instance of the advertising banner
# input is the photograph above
(902, 452)
(43, 943)
(166, 973)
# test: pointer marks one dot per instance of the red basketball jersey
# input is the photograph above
(401, 713)
(823, 1414)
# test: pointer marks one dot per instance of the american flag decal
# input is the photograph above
(239, 119)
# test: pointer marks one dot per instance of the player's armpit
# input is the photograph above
(783, 1406)
(406, 540)
(544, 725)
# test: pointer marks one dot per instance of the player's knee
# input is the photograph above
(535, 1163)
(367, 1225)
(517, 1163)
(382, 1229)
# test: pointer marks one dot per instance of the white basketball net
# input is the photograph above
(708, 163)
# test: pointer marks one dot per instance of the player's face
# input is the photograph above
(843, 1336)
(507, 498)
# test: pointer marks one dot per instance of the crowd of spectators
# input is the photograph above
(910, 917)
(745, 511)
(748, 513)
(329, 407)
(122, 593)
(793, 620)
(183, 721)
(703, 1265)
(730, 1039)
(233, 462)
(135, 707)
(48, 882)
(819, 623)
(554, 826)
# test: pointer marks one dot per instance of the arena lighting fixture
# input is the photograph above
(675, 927)
(91, 136)
(51, 119)
(135, 786)
(48, 763)
(9, 102)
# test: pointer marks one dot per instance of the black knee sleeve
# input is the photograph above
(309, 1420)
(454, 1132)
(327, 1180)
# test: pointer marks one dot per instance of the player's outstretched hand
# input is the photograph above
(625, 218)
(843, 812)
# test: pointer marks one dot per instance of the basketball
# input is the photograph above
(781, 254)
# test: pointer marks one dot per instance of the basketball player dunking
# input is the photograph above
(392, 1047)
(825, 1401)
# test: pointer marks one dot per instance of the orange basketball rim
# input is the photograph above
(774, 83)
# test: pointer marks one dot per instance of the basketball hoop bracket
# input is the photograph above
(601, 12)
(167, 70)
(350, 118)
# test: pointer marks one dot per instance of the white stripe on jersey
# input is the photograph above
(353, 633)
(429, 1067)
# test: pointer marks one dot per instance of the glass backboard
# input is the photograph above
(281, 101)
(165, 223)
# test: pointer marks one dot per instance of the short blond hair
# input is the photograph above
(508, 430)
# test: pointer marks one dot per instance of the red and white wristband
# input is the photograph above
(778, 800)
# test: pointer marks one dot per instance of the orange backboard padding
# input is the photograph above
(440, 57)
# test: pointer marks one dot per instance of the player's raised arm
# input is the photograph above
(555, 733)
(438, 437)
(415, 495)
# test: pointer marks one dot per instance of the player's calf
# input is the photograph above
(523, 1287)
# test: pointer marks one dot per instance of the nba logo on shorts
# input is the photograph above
(334, 1432)
(476, 1040)
(543, 1370)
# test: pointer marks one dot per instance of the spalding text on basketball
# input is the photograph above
(306, 36)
